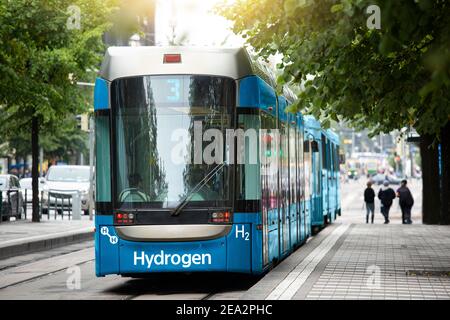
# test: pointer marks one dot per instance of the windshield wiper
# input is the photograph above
(176, 211)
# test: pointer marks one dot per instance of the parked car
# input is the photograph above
(64, 180)
(27, 190)
(378, 178)
(12, 198)
(395, 180)
(381, 177)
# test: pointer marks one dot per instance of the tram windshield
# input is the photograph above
(157, 162)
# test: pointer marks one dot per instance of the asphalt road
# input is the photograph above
(54, 274)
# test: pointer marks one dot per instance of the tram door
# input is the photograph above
(254, 174)
(293, 186)
(333, 187)
(301, 220)
(269, 187)
(325, 173)
(284, 189)
(308, 183)
(265, 200)
(317, 196)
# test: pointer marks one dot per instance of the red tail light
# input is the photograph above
(172, 58)
(125, 218)
(221, 217)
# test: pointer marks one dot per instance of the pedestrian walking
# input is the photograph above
(369, 199)
(406, 202)
(386, 195)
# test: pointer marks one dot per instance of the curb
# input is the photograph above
(41, 243)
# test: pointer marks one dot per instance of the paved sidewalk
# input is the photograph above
(23, 236)
(354, 260)
(359, 261)
(387, 262)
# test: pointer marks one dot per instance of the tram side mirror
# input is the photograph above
(314, 146)
(342, 159)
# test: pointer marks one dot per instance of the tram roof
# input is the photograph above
(333, 136)
(311, 122)
(236, 63)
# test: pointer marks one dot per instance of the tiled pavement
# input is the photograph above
(365, 261)
(386, 262)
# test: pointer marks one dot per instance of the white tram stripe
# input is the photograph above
(297, 277)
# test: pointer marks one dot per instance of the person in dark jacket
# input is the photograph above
(406, 202)
(369, 199)
(386, 196)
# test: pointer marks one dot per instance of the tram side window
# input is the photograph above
(269, 160)
(284, 159)
(324, 152)
(103, 163)
(337, 159)
(249, 186)
(318, 173)
(333, 157)
(307, 168)
(293, 164)
(300, 167)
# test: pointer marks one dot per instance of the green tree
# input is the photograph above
(46, 47)
(382, 79)
(64, 140)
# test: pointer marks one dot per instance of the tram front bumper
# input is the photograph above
(228, 253)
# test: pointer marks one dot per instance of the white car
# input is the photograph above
(27, 190)
(65, 180)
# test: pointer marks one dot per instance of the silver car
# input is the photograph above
(61, 182)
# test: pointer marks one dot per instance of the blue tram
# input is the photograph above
(199, 167)
(325, 196)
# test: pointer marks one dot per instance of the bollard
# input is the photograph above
(9, 207)
(18, 205)
(55, 205)
(25, 205)
(69, 207)
(76, 206)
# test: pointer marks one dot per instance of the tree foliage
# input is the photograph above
(46, 47)
(66, 140)
(42, 58)
(383, 79)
